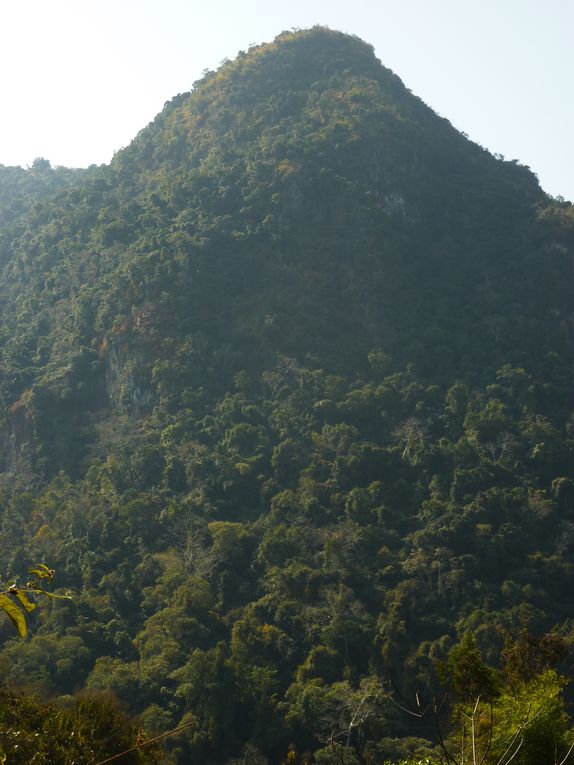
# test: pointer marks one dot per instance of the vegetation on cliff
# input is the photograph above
(287, 399)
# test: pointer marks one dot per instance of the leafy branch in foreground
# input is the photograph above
(15, 599)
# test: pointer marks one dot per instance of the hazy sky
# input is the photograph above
(81, 77)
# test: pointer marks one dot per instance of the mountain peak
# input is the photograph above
(300, 201)
(287, 400)
(316, 86)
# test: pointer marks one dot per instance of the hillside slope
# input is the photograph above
(288, 403)
(20, 189)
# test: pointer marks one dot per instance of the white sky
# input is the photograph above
(79, 78)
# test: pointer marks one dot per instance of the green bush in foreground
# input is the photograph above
(81, 731)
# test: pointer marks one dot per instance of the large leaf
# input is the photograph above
(41, 571)
(14, 613)
(26, 603)
(66, 595)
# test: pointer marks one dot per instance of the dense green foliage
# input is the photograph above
(21, 189)
(82, 731)
(288, 405)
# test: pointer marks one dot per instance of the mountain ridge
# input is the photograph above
(288, 404)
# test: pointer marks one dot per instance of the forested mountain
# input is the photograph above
(288, 404)
(20, 189)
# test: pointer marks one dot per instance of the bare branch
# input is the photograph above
(490, 735)
(567, 755)
(514, 753)
(146, 743)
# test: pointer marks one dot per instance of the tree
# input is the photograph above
(466, 674)
(83, 731)
(497, 718)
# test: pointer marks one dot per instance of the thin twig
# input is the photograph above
(447, 754)
(568, 753)
(473, 735)
(502, 761)
(490, 735)
(146, 743)
(515, 752)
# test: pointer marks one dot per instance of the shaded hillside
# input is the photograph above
(299, 201)
(288, 402)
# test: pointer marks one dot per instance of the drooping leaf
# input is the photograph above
(27, 604)
(41, 571)
(14, 613)
(66, 595)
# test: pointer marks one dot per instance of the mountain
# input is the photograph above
(287, 397)
(20, 189)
